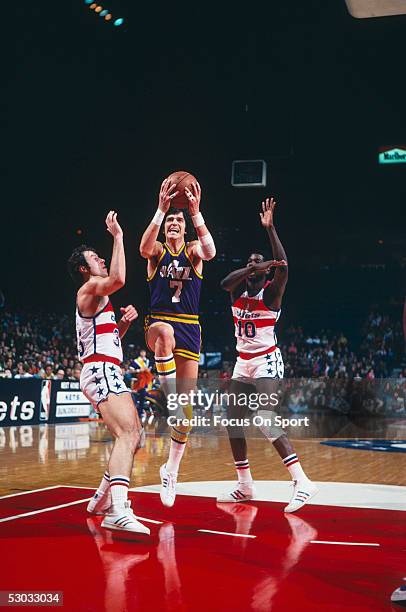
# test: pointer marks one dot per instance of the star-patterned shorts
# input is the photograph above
(98, 379)
(264, 366)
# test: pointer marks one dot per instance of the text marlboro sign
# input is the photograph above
(392, 155)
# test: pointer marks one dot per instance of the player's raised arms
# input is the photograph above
(150, 247)
(274, 292)
(102, 282)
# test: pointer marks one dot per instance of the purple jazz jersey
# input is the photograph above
(175, 293)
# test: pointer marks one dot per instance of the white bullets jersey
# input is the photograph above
(254, 324)
(98, 334)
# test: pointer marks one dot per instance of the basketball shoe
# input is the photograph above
(122, 518)
(99, 504)
(303, 491)
(244, 491)
(168, 486)
(399, 595)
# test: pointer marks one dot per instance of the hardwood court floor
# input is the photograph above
(33, 457)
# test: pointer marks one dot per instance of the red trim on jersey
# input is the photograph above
(256, 322)
(106, 328)
(108, 307)
(98, 357)
(248, 303)
(253, 355)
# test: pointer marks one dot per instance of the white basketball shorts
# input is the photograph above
(99, 378)
(264, 366)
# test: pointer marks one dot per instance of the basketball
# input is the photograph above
(182, 179)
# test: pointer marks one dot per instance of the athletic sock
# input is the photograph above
(119, 489)
(104, 485)
(294, 467)
(179, 436)
(175, 455)
(166, 368)
(243, 472)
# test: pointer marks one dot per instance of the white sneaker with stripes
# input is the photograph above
(167, 491)
(99, 504)
(242, 492)
(399, 595)
(123, 519)
(303, 491)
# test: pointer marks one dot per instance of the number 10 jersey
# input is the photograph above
(254, 325)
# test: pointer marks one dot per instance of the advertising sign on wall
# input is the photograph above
(68, 402)
(392, 154)
(20, 402)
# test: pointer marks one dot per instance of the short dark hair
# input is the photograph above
(257, 252)
(76, 260)
(189, 229)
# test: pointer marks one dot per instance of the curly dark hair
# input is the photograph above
(76, 260)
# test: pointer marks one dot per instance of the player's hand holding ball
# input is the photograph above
(193, 195)
(113, 225)
(167, 194)
(267, 212)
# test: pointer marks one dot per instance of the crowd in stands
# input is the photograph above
(44, 346)
(37, 345)
(332, 355)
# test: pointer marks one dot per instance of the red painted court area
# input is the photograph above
(284, 567)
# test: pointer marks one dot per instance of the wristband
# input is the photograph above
(206, 239)
(198, 220)
(206, 249)
(158, 217)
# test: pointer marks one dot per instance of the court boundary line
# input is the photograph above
(31, 491)
(147, 520)
(50, 508)
(77, 487)
(237, 535)
(344, 543)
(40, 511)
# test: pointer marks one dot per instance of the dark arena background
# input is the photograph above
(101, 102)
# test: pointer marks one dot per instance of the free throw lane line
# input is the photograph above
(236, 535)
(344, 543)
(32, 491)
(142, 518)
(78, 501)
(18, 516)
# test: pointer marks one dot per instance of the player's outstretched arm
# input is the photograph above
(233, 280)
(274, 292)
(106, 285)
(129, 315)
(150, 247)
(204, 247)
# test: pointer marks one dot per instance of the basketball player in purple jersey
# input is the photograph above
(172, 329)
(256, 305)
